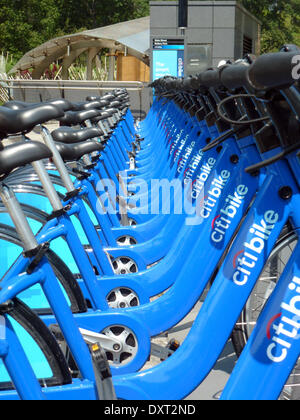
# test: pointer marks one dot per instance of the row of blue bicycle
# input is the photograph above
(112, 230)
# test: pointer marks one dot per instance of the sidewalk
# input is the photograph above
(212, 387)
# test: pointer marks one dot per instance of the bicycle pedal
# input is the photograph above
(164, 352)
(173, 345)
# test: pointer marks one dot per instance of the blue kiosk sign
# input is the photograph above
(168, 58)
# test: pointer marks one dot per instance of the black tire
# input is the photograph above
(256, 302)
(240, 333)
(62, 272)
(30, 321)
(69, 283)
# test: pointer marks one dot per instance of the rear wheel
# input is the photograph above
(40, 346)
(258, 299)
(65, 277)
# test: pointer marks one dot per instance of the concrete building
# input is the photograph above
(217, 30)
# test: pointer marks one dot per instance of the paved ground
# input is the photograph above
(213, 385)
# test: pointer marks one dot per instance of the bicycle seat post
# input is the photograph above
(89, 124)
(47, 185)
(18, 217)
(59, 163)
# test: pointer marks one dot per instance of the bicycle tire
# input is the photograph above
(45, 340)
(244, 326)
(61, 271)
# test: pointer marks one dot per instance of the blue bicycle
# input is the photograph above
(222, 136)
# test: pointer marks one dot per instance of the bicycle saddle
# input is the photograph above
(112, 110)
(18, 105)
(85, 106)
(102, 101)
(93, 98)
(109, 112)
(75, 118)
(71, 135)
(115, 104)
(72, 152)
(24, 120)
(99, 118)
(20, 154)
(108, 97)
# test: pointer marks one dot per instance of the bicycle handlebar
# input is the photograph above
(274, 70)
(210, 78)
(234, 76)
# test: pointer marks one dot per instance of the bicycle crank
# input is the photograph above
(124, 265)
(126, 240)
(128, 348)
(122, 297)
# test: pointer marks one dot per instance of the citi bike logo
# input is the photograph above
(287, 330)
(180, 148)
(183, 160)
(174, 144)
(222, 222)
(199, 182)
(191, 169)
(172, 131)
(211, 199)
(246, 259)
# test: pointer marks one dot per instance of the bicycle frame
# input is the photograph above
(230, 290)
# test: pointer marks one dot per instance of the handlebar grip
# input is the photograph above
(290, 48)
(234, 76)
(273, 70)
(172, 84)
(210, 78)
(190, 83)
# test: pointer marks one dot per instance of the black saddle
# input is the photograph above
(20, 154)
(85, 106)
(104, 103)
(93, 98)
(71, 153)
(108, 97)
(112, 111)
(74, 118)
(107, 114)
(101, 117)
(24, 120)
(62, 103)
(71, 135)
(115, 104)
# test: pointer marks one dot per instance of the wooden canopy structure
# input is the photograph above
(127, 38)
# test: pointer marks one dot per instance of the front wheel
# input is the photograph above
(257, 300)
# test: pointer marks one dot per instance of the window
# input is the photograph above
(247, 45)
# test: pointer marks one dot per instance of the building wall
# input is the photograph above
(217, 27)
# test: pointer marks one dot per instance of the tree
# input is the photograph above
(24, 24)
(280, 21)
(89, 14)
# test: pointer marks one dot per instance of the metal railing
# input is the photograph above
(33, 91)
